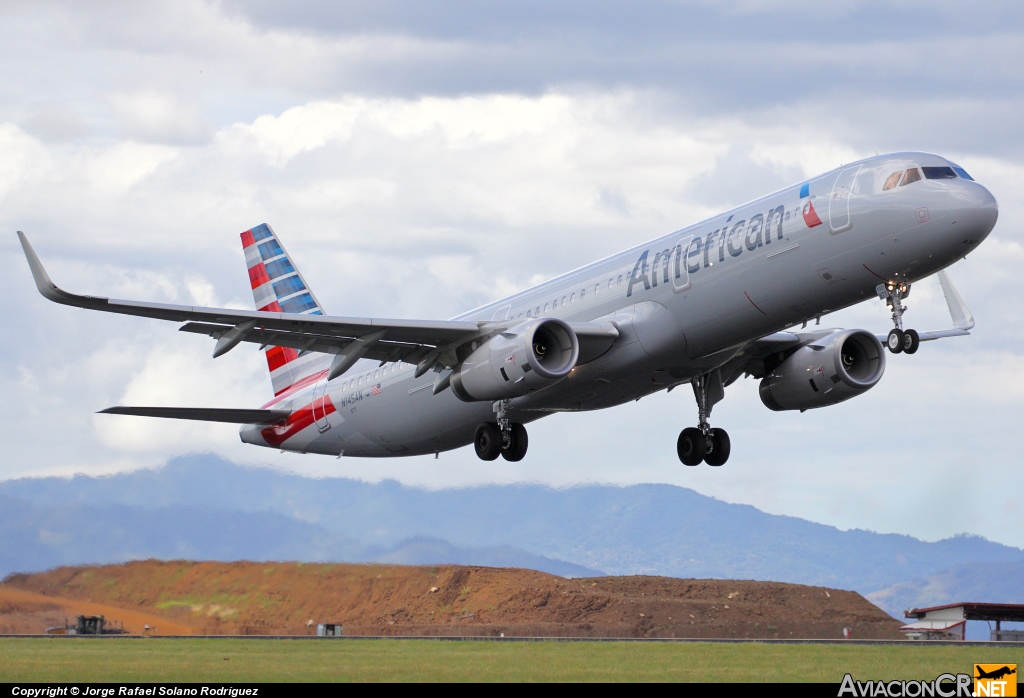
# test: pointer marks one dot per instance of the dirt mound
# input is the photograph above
(282, 598)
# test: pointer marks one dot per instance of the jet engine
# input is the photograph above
(528, 357)
(824, 372)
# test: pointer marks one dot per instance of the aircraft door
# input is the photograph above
(839, 204)
(320, 406)
(678, 265)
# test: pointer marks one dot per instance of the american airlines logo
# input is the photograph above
(695, 252)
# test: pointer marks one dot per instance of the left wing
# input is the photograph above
(750, 358)
(424, 343)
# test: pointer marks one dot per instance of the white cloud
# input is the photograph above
(149, 116)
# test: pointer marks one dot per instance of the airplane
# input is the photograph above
(995, 674)
(703, 305)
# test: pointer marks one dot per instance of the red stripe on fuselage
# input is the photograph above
(247, 239)
(299, 420)
(272, 307)
(258, 275)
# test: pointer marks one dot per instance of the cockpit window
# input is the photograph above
(962, 172)
(893, 180)
(912, 175)
(939, 173)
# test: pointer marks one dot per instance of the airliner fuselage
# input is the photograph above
(684, 304)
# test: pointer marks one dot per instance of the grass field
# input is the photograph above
(231, 660)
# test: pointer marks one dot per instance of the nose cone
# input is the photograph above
(978, 212)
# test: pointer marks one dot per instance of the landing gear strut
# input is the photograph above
(504, 438)
(899, 340)
(702, 443)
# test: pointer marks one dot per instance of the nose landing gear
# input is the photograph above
(899, 340)
(702, 443)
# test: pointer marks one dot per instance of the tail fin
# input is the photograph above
(277, 286)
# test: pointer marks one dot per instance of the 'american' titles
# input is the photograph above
(700, 251)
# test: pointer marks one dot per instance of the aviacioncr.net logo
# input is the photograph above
(943, 686)
(995, 680)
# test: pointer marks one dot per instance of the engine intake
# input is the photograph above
(825, 372)
(528, 357)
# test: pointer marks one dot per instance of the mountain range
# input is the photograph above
(202, 507)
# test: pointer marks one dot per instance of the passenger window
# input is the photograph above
(563, 300)
(620, 279)
(893, 180)
(546, 306)
(583, 292)
(572, 298)
(554, 304)
(912, 175)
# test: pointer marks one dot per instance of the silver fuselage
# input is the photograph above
(684, 304)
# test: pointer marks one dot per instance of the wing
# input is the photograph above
(750, 359)
(424, 343)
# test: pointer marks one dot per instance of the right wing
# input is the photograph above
(750, 359)
(425, 343)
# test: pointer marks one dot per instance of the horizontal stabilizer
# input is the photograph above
(204, 414)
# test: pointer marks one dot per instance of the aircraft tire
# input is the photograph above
(690, 446)
(517, 449)
(911, 341)
(487, 441)
(720, 448)
(895, 340)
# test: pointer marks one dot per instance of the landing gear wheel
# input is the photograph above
(488, 441)
(720, 447)
(895, 341)
(690, 446)
(517, 448)
(911, 340)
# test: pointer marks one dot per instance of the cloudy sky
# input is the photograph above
(419, 159)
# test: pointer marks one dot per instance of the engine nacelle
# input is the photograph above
(528, 357)
(827, 371)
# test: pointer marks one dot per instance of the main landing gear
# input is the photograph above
(702, 443)
(502, 438)
(899, 340)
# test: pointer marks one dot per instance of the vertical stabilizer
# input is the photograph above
(278, 287)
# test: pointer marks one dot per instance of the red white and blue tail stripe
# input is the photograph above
(278, 287)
